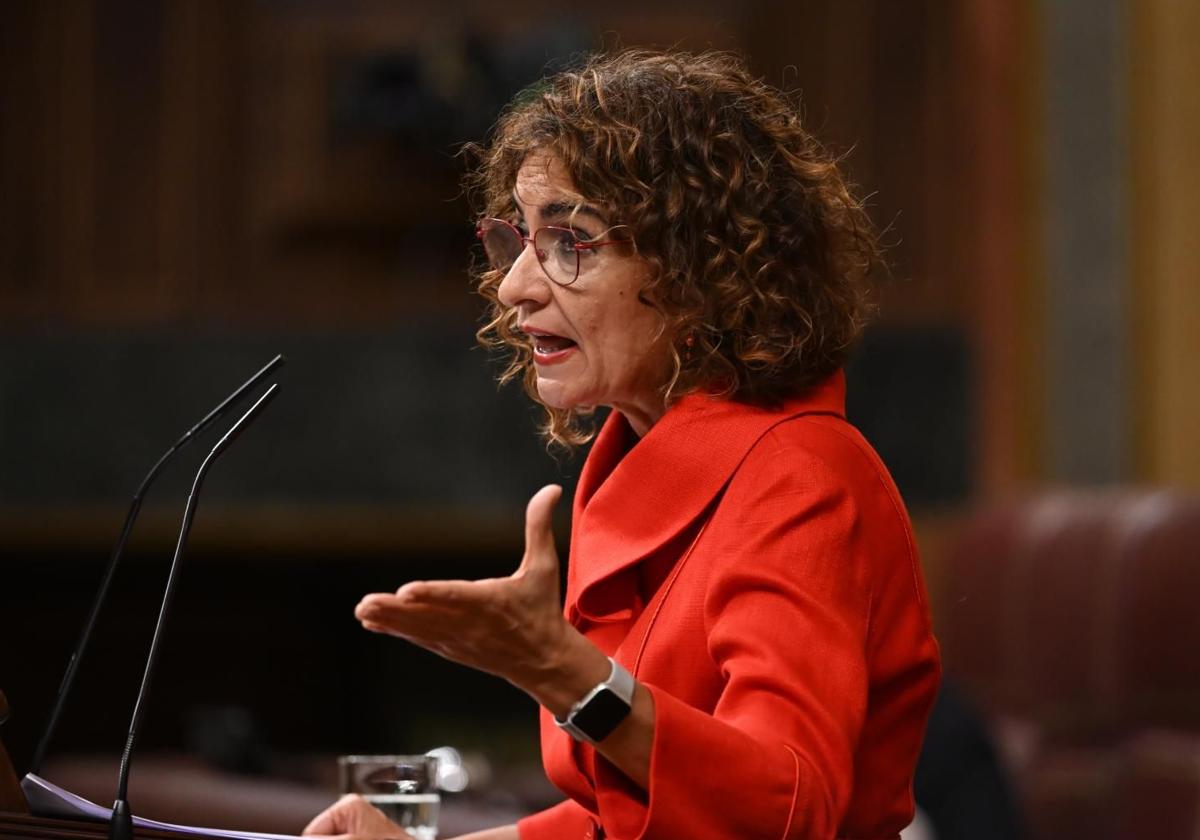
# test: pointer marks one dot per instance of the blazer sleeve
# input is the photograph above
(566, 819)
(786, 610)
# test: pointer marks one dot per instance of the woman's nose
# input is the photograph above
(525, 282)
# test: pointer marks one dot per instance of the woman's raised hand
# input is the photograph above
(512, 627)
(354, 817)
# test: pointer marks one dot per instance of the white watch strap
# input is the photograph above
(620, 681)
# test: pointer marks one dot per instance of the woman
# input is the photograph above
(738, 550)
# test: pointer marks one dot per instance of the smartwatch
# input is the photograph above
(602, 709)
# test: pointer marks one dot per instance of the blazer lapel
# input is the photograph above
(627, 507)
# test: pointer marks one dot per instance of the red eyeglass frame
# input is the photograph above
(580, 245)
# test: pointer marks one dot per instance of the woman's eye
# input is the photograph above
(565, 242)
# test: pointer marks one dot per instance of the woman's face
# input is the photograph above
(594, 342)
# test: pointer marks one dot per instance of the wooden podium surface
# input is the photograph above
(27, 827)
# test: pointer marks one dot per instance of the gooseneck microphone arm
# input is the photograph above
(119, 549)
(121, 825)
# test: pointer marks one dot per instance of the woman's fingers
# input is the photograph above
(354, 817)
(507, 626)
(403, 617)
(448, 594)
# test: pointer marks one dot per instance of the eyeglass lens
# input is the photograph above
(555, 247)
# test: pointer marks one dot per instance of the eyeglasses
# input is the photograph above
(559, 250)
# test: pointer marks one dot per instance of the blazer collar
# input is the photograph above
(629, 503)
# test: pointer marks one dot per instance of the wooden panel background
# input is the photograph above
(173, 163)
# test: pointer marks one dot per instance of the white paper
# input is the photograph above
(47, 799)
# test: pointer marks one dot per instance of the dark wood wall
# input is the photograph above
(290, 166)
(185, 162)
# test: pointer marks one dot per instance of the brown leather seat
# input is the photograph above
(1074, 621)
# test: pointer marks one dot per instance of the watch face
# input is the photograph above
(603, 713)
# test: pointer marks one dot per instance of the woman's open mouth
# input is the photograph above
(549, 348)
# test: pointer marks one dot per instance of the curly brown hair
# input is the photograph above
(760, 256)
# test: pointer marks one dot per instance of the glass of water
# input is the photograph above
(405, 787)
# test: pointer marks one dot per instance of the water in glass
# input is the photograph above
(416, 813)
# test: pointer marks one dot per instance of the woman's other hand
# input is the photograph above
(512, 627)
(354, 817)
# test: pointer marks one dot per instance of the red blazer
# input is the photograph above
(755, 570)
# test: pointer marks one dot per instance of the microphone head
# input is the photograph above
(245, 420)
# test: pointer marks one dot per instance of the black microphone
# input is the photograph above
(121, 825)
(85, 637)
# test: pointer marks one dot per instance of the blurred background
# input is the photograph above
(188, 187)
